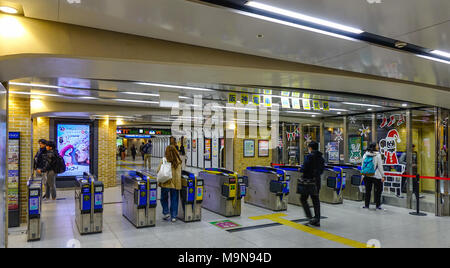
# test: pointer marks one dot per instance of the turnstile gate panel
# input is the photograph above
(139, 196)
(268, 188)
(89, 205)
(223, 191)
(34, 209)
(191, 197)
(295, 175)
(332, 185)
(352, 175)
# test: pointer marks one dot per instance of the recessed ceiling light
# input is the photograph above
(370, 109)
(173, 86)
(260, 36)
(405, 104)
(9, 10)
(141, 94)
(137, 101)
(362, 104)
(440, 53)
(303, 17)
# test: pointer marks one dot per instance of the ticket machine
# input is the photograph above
(332, 185)
(139, 196)
(295, 175)
(191, 197)
(223, 191)
(352, 175)
(34, 186)
(89, 205)
(268, 188)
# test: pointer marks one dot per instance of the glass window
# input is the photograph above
(334, 141)
(310, 133)
(359, 136)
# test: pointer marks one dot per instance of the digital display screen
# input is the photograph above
(73, 144)
(34, 193)
(153, 186)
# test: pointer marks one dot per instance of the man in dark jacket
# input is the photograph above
(48, 170)
(39, 157)
(310, 182)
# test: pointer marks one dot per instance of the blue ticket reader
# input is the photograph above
(268, 187)
(332, 181)
(191, 197)
(89, 204)
(34, 186)
(139, 197)
(295, 174)
(352, 189)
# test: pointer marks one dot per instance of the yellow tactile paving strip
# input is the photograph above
(335, 238)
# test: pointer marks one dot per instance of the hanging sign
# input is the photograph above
(268, 101)
(244, 99)
(296, 94)
(267, 92)
(316, 105)
(232, 97)
(306, 104)
(296, 104)
(285, 93)
(326, 106)
(285, 103)
(256, 99)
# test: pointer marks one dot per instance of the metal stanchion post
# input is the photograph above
(416, 191)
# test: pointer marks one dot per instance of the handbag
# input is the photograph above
(165, 172)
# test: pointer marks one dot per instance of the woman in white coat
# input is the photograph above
(373, 174)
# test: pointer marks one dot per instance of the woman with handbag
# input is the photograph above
(169, 180)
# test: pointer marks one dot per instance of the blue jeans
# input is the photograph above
(174, 194)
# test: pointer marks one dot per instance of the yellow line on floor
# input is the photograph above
(335, 238)
(127, 167)
(131, 163)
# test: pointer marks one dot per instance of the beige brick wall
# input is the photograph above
(241, 162)
(107, 152)
(20, 121)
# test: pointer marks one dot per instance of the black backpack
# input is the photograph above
(60, 164)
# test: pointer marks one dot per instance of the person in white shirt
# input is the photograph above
(372, 156)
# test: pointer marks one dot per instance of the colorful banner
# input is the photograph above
(267, 92)
(73, 144)
(208, 149)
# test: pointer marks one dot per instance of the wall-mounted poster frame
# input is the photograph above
(263, 148)
(13, 179)
(249, 148)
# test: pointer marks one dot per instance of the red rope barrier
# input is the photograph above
(413, 176)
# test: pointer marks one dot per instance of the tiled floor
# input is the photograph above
(393, 228)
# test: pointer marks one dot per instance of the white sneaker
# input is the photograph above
(174, 220)
(166, 217)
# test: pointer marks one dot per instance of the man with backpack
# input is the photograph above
(309, 184)
(148, 148)
(373, 174)
(53, 165)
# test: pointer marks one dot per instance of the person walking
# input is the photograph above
(133, 152)
(122, 152)
(171, 188)
(182, 153)
(48, 170)
(39, 157)
(141, 150)
(148, 148)
(309, 185)
(373, 175)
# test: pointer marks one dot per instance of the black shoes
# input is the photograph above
(315, 222)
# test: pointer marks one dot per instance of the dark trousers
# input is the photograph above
(369, 182)
(313, 191)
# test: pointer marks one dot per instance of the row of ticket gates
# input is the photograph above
(218, 190)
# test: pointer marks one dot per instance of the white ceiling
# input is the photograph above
(425, 23)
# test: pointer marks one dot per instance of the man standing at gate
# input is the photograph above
(148, 148)
(309, 184)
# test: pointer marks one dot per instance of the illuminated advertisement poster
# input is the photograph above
(208, 149)
(13, 170)
(263, 148)
(333, 152)
(73, 146)
(355, 150)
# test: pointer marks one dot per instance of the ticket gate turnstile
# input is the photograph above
(191, 197)
(89, 205)
(332, 185)
(139, 196)
(223, 191)
(295, 175)
(352, 176)
(268, 188)
(34, 186)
